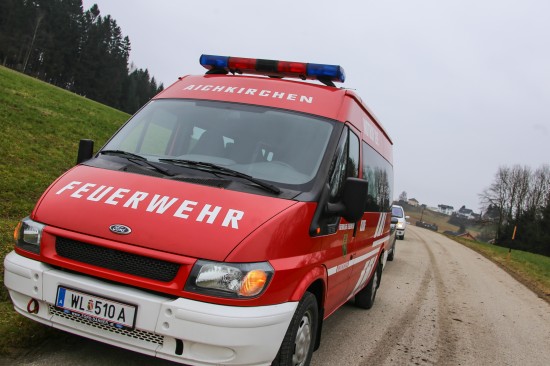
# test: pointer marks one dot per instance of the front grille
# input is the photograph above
(135, 334)
(116, 260)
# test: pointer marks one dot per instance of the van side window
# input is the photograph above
(353, 155)
(379, 173)
(345, 164)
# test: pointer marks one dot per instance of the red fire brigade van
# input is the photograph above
(221, 224)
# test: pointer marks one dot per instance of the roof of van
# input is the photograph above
(301, 96)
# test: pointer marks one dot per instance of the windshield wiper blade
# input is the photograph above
(123, 153)
(223, 170)
(133, 157)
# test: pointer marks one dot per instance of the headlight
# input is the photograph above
(400, 225)
(235, 280)
(27, 235)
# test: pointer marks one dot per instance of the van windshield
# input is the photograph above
(269, 144)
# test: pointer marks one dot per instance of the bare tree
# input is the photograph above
(515, 192)
(519, 189)
(539, 191)
(497, 196)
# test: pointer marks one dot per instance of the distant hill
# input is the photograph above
(437, 218)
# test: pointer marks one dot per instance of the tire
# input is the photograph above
(299, 340)
(392, 253)
(365, 298)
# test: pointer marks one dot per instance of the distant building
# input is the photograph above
(445, 209)
(466, 213)
(413, 202)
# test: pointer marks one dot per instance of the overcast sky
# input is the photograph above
(461, 86)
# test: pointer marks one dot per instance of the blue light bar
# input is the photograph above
(214, 62)
(322, 72)
(332, 72)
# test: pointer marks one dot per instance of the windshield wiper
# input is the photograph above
(133, 157)
(123, 153)
(222, 170)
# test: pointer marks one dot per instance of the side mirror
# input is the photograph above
(394, 222)
(407, 217)
(85, 151)
(354, 199)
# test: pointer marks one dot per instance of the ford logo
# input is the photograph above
(120, 229)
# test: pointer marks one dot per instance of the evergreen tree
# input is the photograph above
(139, 89)
(55, 47)
(83, 51)
(103, 64)
(17, 24)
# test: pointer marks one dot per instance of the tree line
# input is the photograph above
(81, 51)
(517, 204)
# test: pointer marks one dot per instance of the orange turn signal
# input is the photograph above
(253, 283)
(17, 231)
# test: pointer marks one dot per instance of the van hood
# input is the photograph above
(170, 216)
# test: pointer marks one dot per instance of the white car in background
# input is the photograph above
(399, 213)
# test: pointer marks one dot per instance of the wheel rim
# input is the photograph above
(303, 341)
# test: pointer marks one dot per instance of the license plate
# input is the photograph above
(95, 308)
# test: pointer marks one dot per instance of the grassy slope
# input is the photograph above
(40, 126)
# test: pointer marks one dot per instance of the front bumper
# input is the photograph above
(210, 334)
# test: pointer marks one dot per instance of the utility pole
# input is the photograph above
(510, 247)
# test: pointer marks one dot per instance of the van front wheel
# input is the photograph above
(297, 346)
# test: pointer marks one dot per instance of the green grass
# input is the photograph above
(533, 270)
(40, 126)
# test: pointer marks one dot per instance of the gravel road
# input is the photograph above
(439, 304)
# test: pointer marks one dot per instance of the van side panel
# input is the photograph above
(372, 132)
(373, 235)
